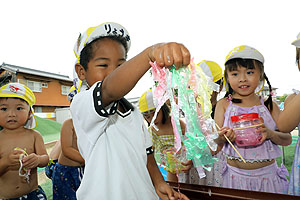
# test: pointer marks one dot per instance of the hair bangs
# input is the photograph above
(233, 64)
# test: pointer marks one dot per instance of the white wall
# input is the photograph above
(62, 114)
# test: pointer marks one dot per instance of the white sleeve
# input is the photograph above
(90, 118)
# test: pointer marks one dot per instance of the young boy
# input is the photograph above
(112, 137)
(22, 149)
(69, 168)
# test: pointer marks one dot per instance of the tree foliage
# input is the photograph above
(282, 98)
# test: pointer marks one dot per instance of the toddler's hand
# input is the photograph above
(14, 157)
(31, 161)
(188, 165)
(165, 192)
(167, 54)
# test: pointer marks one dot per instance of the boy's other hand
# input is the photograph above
(165, 192)
(31, 161)
(167, 54)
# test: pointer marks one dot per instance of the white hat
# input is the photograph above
(211, 69)
(146, 102)
(245, 52)
(297, 42)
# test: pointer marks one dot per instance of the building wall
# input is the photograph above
(51, 96)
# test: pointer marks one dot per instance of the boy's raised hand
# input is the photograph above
(167, 54)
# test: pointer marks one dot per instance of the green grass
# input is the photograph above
(47, 187)
(288, 153)
(49, 129)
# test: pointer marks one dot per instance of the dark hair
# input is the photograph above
(213, 108)
(233, 64)
(87, 52)
(219, 82)
(166, 112)
(297, 55)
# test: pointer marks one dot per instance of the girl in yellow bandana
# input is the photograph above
(258, 171)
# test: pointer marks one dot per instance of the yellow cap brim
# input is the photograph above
(296, 43)
(146, 101)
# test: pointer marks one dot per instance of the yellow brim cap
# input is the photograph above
(104, 29)
(245, 52)
(211, 69)
(92, 33)
(17, 90)
(146, 102)
(297, 42)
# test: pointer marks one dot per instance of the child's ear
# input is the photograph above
(29, 113)
(80, 71)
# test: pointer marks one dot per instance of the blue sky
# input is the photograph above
(41, 35)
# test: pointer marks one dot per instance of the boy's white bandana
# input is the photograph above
(105, 29)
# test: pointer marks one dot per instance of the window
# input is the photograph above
(38, 109)
(65, 89)
(22, 81)
(34, 86)
(45, 85)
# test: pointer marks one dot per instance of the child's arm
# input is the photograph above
(163, 190)
(219, 120)
(67, 142)
(171, 177)
(40, 157)
(119, 82)
(55, 152)
(276, 137)
(289, 118)
(279, 138)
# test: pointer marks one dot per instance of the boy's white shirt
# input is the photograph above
(114, 149)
